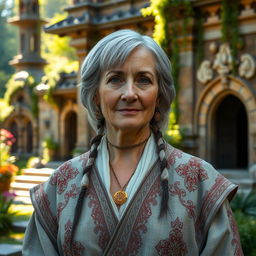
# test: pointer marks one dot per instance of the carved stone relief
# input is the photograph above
(247, 66)
(223, 60)
(223, 65)
(205, 73)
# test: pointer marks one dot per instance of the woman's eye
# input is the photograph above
(144, 80)
(115, 80)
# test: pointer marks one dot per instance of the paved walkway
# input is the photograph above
(10, 249)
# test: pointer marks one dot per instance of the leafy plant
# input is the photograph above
(49, 149)
(49, 143)
(6, 200)
(247, 230)
(245, 204)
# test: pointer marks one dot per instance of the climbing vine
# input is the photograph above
(230, 28)
(167, 32)
(172, 20)
(25, 81)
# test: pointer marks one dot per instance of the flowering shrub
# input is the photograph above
(6, 199)
(7, 169)
(6, 141)
(7, 172)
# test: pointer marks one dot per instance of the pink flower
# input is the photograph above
(9, 195)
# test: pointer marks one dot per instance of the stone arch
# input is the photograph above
(20, 120)
(69, 110)
(13, 127)
(206, 106)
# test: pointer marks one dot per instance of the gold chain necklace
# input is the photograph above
(120, 196)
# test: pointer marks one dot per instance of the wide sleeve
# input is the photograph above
(223, 237)
(37, 241)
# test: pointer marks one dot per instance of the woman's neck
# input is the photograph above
(126, 147)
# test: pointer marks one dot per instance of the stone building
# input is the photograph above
(28, 63)
(217, 108)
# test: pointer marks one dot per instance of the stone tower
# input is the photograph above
(29, 23)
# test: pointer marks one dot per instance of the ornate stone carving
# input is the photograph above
(213, 47)
(247, 66)
(223, 65)
(205, 73)
(223, 61)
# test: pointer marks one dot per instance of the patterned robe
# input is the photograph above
(199, 220)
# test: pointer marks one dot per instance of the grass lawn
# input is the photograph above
(23, 211)
(12, 238)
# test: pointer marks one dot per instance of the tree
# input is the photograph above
(8, 46)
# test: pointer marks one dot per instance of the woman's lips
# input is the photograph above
(127, 111)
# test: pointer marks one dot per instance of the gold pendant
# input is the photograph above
(120, 197)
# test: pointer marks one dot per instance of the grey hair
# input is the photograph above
(112, 51)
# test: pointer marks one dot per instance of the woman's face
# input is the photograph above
(128, 94)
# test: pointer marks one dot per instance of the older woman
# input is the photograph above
(131, 193)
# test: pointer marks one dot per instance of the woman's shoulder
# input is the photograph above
(196, 174)
(78, 163)
(177, 158)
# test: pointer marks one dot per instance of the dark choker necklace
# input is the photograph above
(128, 147)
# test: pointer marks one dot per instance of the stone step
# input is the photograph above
(22, 200)
(10, 249)
(19, 226)
(30, 179)
(21, 186)
(38, 172)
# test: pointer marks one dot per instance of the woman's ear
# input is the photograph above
(157, 101)
(96, 99)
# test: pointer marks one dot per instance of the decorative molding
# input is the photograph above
(223, 65)
(205, 73)
(247, 67)
(223, 60)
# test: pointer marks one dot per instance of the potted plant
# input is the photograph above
(6, 174)
(49, 149)
(7, 168)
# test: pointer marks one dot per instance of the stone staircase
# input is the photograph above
(30, 178)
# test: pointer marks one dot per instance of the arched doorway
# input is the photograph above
(231, 134)
(70, 133)
(29, 137)
(14, 131)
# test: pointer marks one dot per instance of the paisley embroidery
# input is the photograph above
(236, 240)
(175, 244)
(173, 155)
(61, 177)
(209, 201)
(72, 193)
(98, 218)
(76, 248)
(44, 205)
(181, 193)
(140, 225)
(193, 173)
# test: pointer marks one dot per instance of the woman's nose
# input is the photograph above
(129, 93)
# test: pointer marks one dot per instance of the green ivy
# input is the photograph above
(14, 85)
(166, 33)
(230, 28)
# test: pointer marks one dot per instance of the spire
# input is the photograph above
(29, 24)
